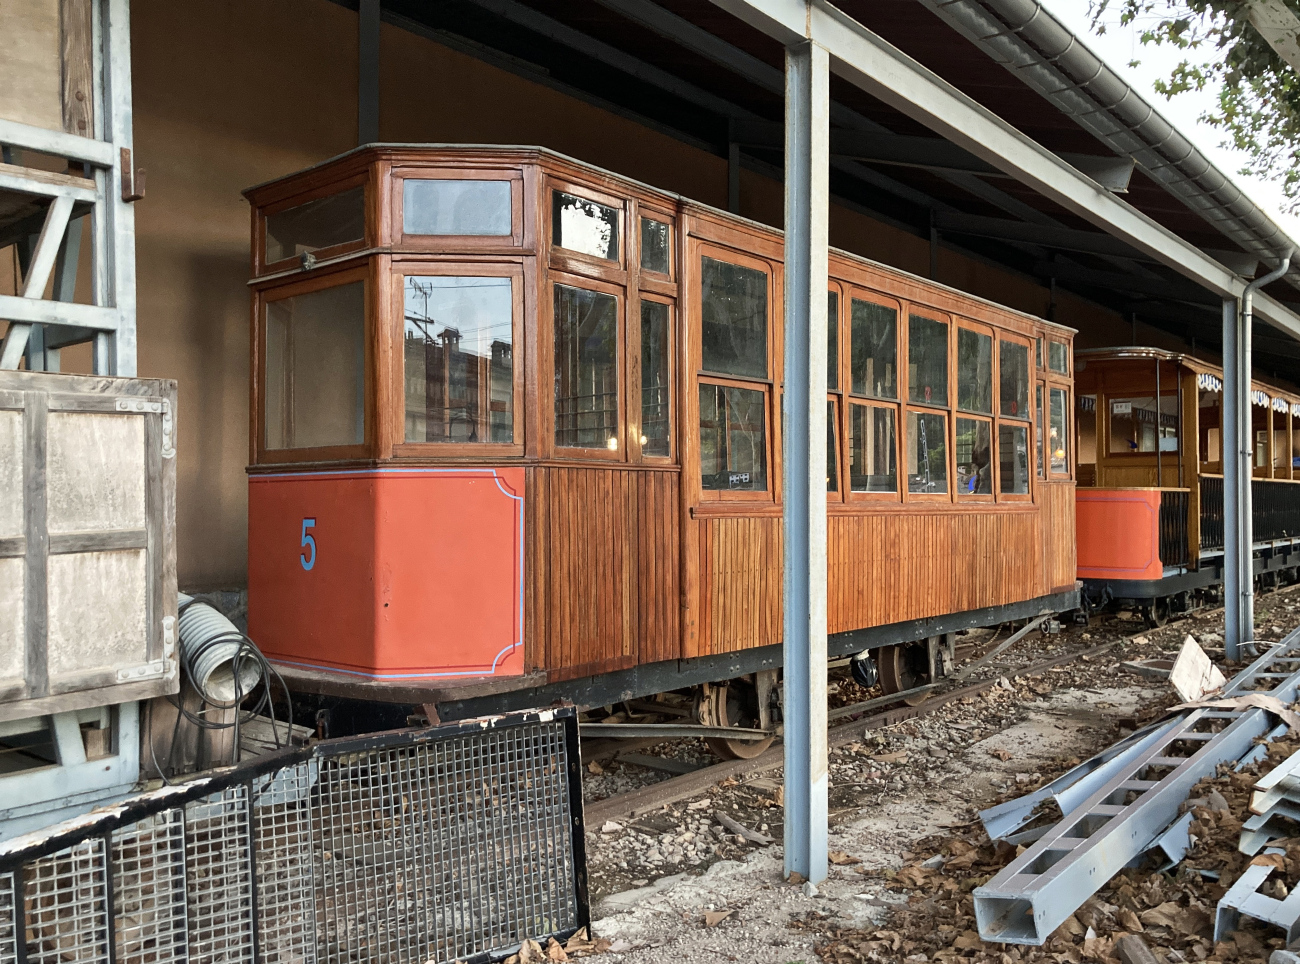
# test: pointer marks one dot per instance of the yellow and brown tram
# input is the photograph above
(1150, 474)
(515, 434)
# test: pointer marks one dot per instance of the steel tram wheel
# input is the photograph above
(734, 703)
(904, 666)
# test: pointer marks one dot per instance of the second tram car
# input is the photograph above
(516, 435)
(1150, 475)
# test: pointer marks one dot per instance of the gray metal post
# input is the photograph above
(1233, 400)
(368, 74)
(807, 171)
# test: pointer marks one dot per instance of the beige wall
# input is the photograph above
(229, 93)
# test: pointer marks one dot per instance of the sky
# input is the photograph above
(1118, 46)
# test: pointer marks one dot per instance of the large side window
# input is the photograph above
(926, 440)
(734, 388)
(458, 359)
(872, 449)
(927, 361)
(586, 369)
(874, 358)
(1014, 380)
(873, 411)
(314, 388)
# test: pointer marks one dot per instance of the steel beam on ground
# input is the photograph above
(807, 204)
(866, 60)
(1030, 897)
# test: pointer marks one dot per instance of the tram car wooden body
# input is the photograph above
(1150, 481)
(516, 435)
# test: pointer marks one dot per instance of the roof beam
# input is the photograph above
(930, 153)
(866, 60)
(1061, 239)
(1116, 281)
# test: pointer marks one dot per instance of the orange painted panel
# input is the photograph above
(389, 573)
(1118, 533)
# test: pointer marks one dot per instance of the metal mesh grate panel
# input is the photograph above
(149, 889)
(219, 882)
(8, 941)
(287, 855)
(65, 905)
(412, 847)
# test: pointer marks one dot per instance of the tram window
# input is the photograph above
(974, 371)
(656, 426)
(458, 352)
(1057, 436)
(927, 452)
(872, 449)
(733, 319)
(1013, 362)
(1013, 459)
(315, 369)
(654, 246)
(584, 226)
(452, 207)
(1038, 350)
(974, 457)
(322, 223)
(1058, 357)
(1038, 432)
(1086, 429)
(586, 368)
(1295, 439)
(733, 453)
(1134, 426)
(832, 341)
(927, 360)
(832, 446)
(1208, 416)
(873, 348)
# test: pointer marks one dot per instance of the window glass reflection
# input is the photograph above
(586, 368)
(927, 453)
(1013, 362)
(1013, 459)
(584, 226)
(458, 355)
(733, 321)
(832, 447)
(453, 207)
(832, 341)
(1058, 440)
(654, 245)
(1058, 358)
(733, 455)
(873, 340)
(974, 371)
(974, 457)
(872, 449)
(927, 361)
(322, 223)
(1135, 426)
(655, 423)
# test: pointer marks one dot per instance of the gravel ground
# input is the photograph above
(661, 882)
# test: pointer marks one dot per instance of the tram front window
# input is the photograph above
(586, 369)
(458, 355)
(1136, 427)
(315, 369)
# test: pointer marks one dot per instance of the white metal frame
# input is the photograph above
(39, 326)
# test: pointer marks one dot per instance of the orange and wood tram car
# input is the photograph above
(516, 436)
(1150, 496)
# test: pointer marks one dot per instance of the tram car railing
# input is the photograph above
(1173, 522)
(1276, 509)
(1211, 512)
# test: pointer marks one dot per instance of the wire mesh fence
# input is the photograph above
(452, 843)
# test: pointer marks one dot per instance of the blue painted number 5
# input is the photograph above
(309, 545)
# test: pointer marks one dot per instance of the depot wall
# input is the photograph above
(229, 93)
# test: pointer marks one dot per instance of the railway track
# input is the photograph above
(649, 798)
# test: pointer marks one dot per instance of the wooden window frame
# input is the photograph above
(976, 498)
(459, 243)
(366, 274)
(640, 211)
(836, 400)
(1028, 496)
(906, 405)
(838, 395)
(869, 402)
(858, 293)
(399, 272)
(770, 385)
(991, 333)
(767, 495)
(633, 366)
(1071, 445)
(574, 453)
(1048, 360)
(568, 261)
(360, 179)
(1039, 423)
(950, 454)
(1001, 418)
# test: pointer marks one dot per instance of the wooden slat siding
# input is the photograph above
(1058, 543)
(740, 570)
(607, 579)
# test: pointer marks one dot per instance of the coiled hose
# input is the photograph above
(224, 667)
